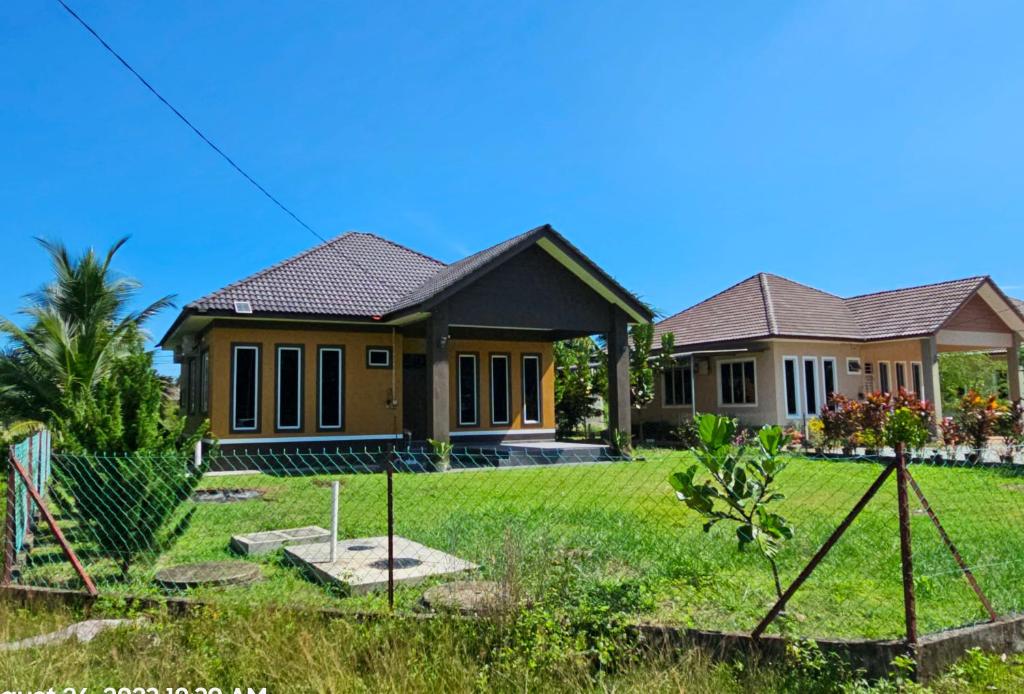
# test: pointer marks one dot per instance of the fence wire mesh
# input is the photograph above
(574, 525)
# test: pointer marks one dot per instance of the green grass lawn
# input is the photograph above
(618, 536)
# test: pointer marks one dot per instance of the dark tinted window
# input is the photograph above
(245, 396)
(830, 377)
(789, 367)
(289, 387)
(810, 386)
(531, 389)
(467, 389)
(499, 389)
(331, 392)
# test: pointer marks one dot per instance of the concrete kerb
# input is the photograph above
(874, 658)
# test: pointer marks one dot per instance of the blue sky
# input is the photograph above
(684, 146)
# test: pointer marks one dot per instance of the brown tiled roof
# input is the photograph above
(355, 274)
(912, 311)
(360, 275)
(767, 305)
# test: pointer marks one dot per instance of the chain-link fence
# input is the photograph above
(32, 454)
(573, 524)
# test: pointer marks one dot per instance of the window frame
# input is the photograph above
(718, 376)
(540, 386)
(300, 394)
(917, 373)
(835, 379)
(204, 381)
(796, 386)
(897, 367)
(860, 366)
(687, 391)
(192, 385)
(887, 388)
(377, 349)
(257, 392)
(813, 361)
(459, 356)
(342, 382)
(508, 386)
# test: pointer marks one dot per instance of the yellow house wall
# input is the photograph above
(483, 349)
(367, 391)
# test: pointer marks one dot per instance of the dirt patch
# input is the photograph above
(226, 496)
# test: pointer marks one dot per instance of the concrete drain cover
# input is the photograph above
(211, 573)
(361, 565)
(467, 597)
(254, 544)
(225, 496)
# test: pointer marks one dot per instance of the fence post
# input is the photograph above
(197, 454)
(8, 570)
(335, 489)
(28, 500)
(391, 531)
(906, 553)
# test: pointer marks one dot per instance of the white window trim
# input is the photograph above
(920, 371)
(718, 378)
(817, 384)
(686, 394)
(888, 376)
(835, 378)
(796, 384)
(320, 389)
(508, 388)
(279, 350)
(540, 395)
(234, 389)
(379, 350)
(858, 372)
(476, 387)
(906, 375)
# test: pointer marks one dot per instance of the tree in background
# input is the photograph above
(581, 380)
(81, 367)
(962, 372)
(643, 367)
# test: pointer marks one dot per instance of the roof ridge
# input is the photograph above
(978, 278)
(801, 284)
(276, 266)
(402, 246)
(766, 299)
(713, 296)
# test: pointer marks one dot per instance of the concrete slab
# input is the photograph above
(362, 563)
(254, 544)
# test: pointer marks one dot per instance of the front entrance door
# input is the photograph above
(414, 395)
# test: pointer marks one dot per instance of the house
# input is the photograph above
(362, 341)
(770, 350)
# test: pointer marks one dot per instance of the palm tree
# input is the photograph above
(79, 325)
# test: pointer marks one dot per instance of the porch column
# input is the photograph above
(438, 385)
(930, 367)
(618, 374)
(1013, 373)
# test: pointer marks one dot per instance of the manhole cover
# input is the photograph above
(400, 563)
(211, 573)
(225, 496)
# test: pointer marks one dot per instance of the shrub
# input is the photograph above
(840, 420)
(977, 418)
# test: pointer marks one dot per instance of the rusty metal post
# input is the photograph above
(906, 552)
(391, 532)
(9, 531)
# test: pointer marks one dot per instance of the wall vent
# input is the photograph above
(243, 307)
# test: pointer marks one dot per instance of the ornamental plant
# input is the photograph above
(977, 417)
(840, 419)
(738, 486)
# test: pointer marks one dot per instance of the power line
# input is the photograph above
(187, 122)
